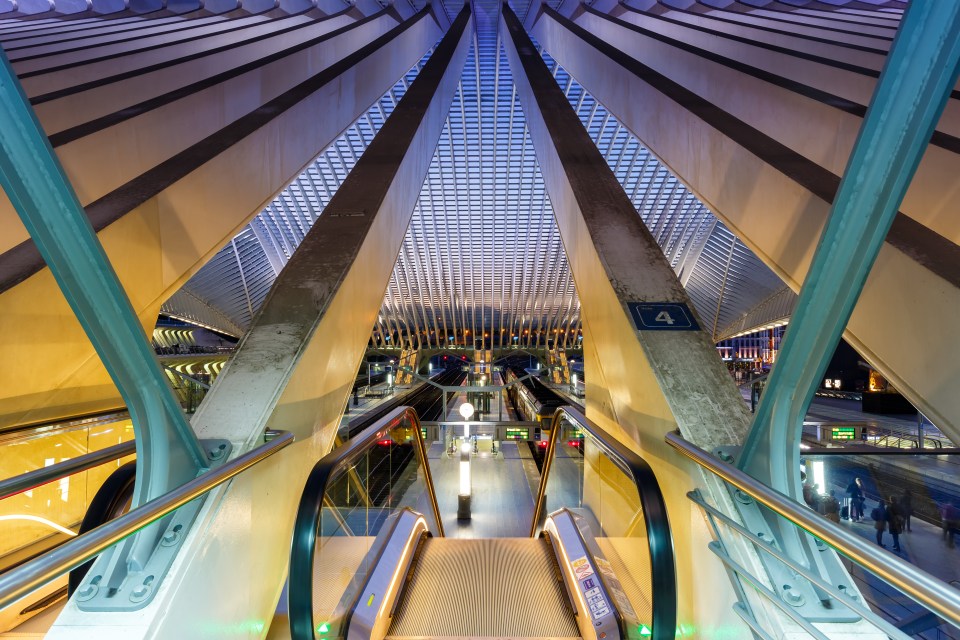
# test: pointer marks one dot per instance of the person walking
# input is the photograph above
(895, 522)
(906, 506)
(831, 507)
(855, 491)
(879, 515)
(950, 520)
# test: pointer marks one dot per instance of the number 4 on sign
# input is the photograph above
(663, 316)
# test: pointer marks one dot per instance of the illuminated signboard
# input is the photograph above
(517, 434)
(844, 433)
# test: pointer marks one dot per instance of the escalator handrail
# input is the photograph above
(305, 530)
(37, 477)
(663, 596)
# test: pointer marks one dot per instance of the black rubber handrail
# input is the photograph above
(663, 573)
(306, 528)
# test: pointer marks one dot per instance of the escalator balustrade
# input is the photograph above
(369, 559)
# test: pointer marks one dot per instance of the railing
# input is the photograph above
(923, 588)
(39, 477)
(615, 491)
(903, 439)
(31, 575)
(346, 502)
(82, 452)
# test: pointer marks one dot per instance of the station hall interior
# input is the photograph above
(437, 319)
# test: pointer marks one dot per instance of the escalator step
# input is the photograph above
(487, 588)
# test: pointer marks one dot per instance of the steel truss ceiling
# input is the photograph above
(482, 261)
(236, 280)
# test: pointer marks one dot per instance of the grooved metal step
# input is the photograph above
(487, 588)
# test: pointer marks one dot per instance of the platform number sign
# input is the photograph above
(662, 316)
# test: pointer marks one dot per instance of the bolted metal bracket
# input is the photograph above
(116, 582)
(809, 600)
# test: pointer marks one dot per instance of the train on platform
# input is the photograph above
(533, 400)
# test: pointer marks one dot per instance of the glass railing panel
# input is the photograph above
(907, 502)
(35, 520)
(599, 481)
(904, 586)
(353, 492)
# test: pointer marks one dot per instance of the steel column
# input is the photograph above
(920, 72)
(168, 452)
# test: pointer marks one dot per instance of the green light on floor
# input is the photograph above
(323, 627)
(645, 630)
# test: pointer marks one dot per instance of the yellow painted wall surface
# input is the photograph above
(63, 502)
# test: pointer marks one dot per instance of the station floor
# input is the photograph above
(502, 497)
(923, 547)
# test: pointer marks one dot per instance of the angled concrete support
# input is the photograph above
(743, 169)
(294, 370)
(640, 384)
(650, 369)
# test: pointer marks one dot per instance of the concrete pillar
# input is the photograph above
(294, 370)
(649, 367)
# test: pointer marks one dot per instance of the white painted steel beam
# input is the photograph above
(151, 226)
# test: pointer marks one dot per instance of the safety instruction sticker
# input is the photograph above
(581, 568)
(590, 586)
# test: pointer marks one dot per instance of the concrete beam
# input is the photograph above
(294, 370)
(641, 384)
(154, 238)
(743, 174)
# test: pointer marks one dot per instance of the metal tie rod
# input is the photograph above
(919, 585)
(34, 574)
(38, 477)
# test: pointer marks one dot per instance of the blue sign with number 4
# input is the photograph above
(662, 316)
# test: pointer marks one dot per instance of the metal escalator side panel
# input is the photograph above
(596, 614)
(372, 611)
(613, 574)
(657, 582)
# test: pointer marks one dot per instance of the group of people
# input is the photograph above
(892, 515)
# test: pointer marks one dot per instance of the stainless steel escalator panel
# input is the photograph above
(597, 615)
(485, 588)
(377, 600)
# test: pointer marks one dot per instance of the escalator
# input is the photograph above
(369, 558)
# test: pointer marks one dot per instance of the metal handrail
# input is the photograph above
(34, 574)
(859, 607)
(306, 528)
(38, 477)
(79, 421)
(663, 594)
(919, 585)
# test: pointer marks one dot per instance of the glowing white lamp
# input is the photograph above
(463, 499)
